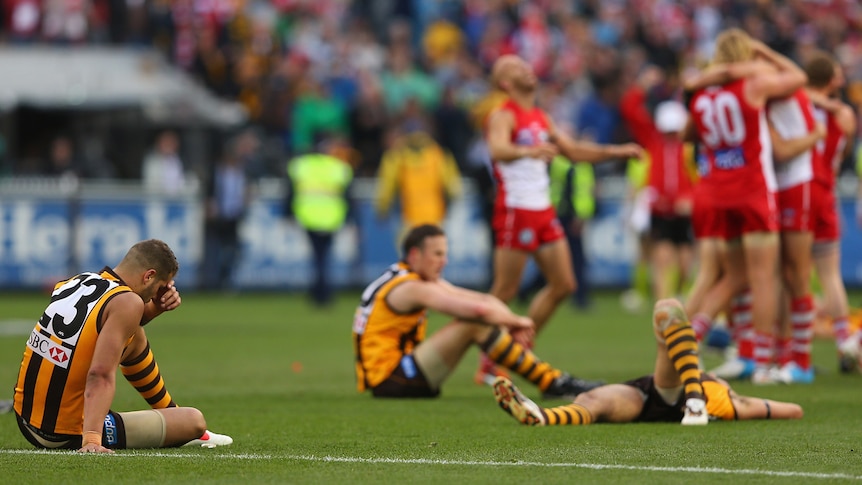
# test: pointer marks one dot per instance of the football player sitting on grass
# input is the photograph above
(93, 325)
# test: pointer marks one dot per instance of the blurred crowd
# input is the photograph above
(373, 71)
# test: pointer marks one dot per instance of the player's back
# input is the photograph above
(735, 159)
(49, 394)
(793, 117)
(830, 149)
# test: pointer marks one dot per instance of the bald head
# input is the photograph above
(510, 72)
(502, 69)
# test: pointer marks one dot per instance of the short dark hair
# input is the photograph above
(154, 254)
(820, 70)
(417, 236)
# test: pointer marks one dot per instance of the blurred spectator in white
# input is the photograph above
(163, 170)
(24, 18)
(367, 55)
(65, 20)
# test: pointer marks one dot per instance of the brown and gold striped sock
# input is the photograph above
(143, 373)
(505, 351)
(682, 350)
(573, 414)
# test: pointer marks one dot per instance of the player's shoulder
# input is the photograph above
(125, 303)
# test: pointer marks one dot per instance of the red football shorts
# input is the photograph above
(525, 229)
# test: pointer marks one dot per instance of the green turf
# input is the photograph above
(276, 374)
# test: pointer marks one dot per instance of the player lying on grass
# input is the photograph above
(393, 357)
(93, 325)
(676, 391)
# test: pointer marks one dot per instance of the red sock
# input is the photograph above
(764, 345)
(841, 329)
(743, 329)
(701, 324)
(783, 350)
(802, 319)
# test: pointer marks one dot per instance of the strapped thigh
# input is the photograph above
(144, 429)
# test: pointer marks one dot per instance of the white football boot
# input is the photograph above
(211, 440)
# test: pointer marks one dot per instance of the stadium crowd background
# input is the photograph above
(366, 69)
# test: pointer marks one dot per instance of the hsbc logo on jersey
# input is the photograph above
(48, 349)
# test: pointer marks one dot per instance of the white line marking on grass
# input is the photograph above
(593, 466)
(144, 454)
(424, 461)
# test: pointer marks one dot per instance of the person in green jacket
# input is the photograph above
(319, 200)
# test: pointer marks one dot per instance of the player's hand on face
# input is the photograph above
(94, 448)
(168, 297)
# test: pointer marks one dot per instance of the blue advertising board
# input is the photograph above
(44, 239)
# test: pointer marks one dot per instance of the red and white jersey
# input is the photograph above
(524, 183)
(735, 159)
(830, 149)
(793, 117)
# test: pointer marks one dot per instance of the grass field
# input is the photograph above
(277, 375)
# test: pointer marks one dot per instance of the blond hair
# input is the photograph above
(732, 45)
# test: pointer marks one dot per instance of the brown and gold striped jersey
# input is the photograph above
(382, 336)
(49, 393)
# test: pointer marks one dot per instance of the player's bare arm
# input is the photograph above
(785, 149)
(719, 74)
(412, 295)
(121, 319)
(500, 146)
(587, 151)
(787, 78)
(756, 408)
(843, 114)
